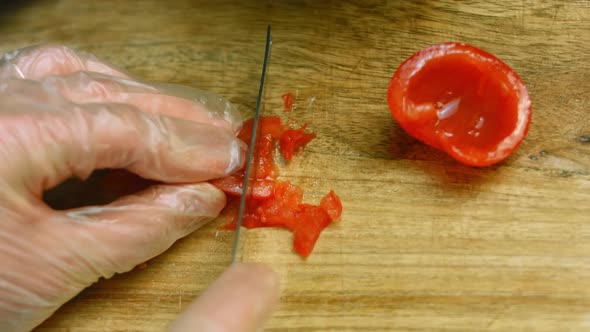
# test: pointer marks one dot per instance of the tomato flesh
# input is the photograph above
(332, 205)
(265, 167)
(311, 222)
(234, 185)
(288, 100)
(273, 203)
(293, 140)
(462, 100)
(267, 125)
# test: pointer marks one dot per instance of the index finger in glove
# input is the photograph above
(83, 78)
(165, 99)
(36, 62)
(59, 140)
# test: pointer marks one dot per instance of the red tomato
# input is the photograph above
(311, 222)
(462, 100)
(265, 165)
(283, 209)
(293, 140)
(288, 100)
(332, 205)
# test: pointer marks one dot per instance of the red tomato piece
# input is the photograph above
(250, 220)
(294, 139)
(332, 205)
(251, 217)
(288, 100)
(462, 100)
(312, 221)
(234, 185)
(283, 209)
(271, 125)
(272, 203)
(267, 125)
(265, 166)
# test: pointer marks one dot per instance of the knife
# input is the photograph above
(251, 150)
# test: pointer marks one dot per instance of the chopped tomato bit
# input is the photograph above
(265, 167)
(288, 100)
(267, 125)
(311, 222)
(332, 205)
(273, 203)
(294, 139)
(234, 185)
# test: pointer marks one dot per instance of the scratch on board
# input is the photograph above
(341, 265)
(355, 68)
(497, 316)
(523, 12)
(557, 8)
(180, 301)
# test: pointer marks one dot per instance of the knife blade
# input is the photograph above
(251, 150)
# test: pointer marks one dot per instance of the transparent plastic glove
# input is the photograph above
(65, 114)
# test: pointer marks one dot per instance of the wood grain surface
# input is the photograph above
(425, 244)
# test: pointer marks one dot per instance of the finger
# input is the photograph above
(116, 237)
(64, 141)
(242, 299)
(49, 257)
(176, 101)
(36, 62)
(40, 62)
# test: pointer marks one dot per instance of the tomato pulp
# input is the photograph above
(273, 203)
(462, 100)
(288, 100)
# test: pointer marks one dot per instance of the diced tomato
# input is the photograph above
(332, 205)
(265, 166)
(282, 210)
(250, 219)
(462, 100)
(272, 203)
(271, 125)
(234, 185)
(288, 100)
(267, 125)
(312, 221)
(294, 139)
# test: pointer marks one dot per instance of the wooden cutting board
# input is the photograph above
(424, 244)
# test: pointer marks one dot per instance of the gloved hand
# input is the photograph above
(65, 114)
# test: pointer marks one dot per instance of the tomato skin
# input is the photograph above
(234, 185)
(282, 210)
(265, 167)
(462, 100)
(332, 205)
(293, 140)
(311, 222)
(267, 125)
(288, 100)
